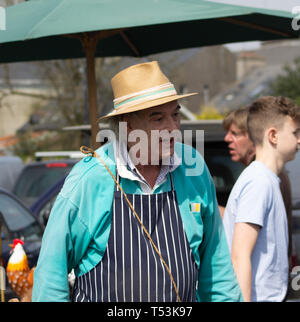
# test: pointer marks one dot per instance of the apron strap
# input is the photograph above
(118, 180)
(172, 182)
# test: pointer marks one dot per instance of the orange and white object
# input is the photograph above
(17, 269)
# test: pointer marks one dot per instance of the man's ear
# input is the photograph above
(130, 119)
(272, 134)
(126, 118)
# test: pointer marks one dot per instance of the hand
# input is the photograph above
(26, 297)
(14, 300)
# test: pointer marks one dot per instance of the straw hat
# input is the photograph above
(141, 86)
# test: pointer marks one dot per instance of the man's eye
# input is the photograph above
(237, 134)
(297, 133)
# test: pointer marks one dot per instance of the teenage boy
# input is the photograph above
(242, 149)
(255, 217)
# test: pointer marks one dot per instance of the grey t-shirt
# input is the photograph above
(256, 198)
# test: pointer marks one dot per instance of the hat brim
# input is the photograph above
(145, 105)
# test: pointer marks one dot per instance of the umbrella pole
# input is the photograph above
(89, 44)
(2, 270)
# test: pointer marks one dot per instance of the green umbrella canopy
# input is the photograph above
(51, 29)
(140, 27)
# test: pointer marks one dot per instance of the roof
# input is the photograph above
(213, 129)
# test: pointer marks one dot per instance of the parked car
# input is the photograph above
(41, 208)
(216, 155)
(37, 177)
(11, 167)
(16, 221)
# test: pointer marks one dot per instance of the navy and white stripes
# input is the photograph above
(131, 270)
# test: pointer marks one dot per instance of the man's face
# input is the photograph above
(240, 146)
(288, 139)
(155, 122)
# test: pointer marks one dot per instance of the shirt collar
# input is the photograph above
(126, 168)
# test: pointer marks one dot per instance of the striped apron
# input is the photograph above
(131, 270)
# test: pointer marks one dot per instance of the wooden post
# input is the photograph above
(89, 43)
(2, 270)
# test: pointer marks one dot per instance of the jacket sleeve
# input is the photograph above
(78, 228)
(63, 233)
(216, 281)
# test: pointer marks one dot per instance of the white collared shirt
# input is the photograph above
(126, 168)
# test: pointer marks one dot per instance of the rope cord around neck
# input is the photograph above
(87, 150)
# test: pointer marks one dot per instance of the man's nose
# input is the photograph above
(228, 137)
(171, 124)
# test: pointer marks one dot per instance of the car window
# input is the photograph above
(293, 170)
(36, 180)
(18, 219)
(223, 170)
(10, 167)
(5, 233)
(44, 213)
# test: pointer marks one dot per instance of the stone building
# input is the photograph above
(204, 70)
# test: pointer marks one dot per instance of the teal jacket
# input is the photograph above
(79, 225)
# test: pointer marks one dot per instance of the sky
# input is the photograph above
(284, 5)
(243, 46)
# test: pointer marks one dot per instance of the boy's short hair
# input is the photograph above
(269, 111)
(238, 118)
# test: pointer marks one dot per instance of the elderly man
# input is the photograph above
(133, 229)
(241, 148)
